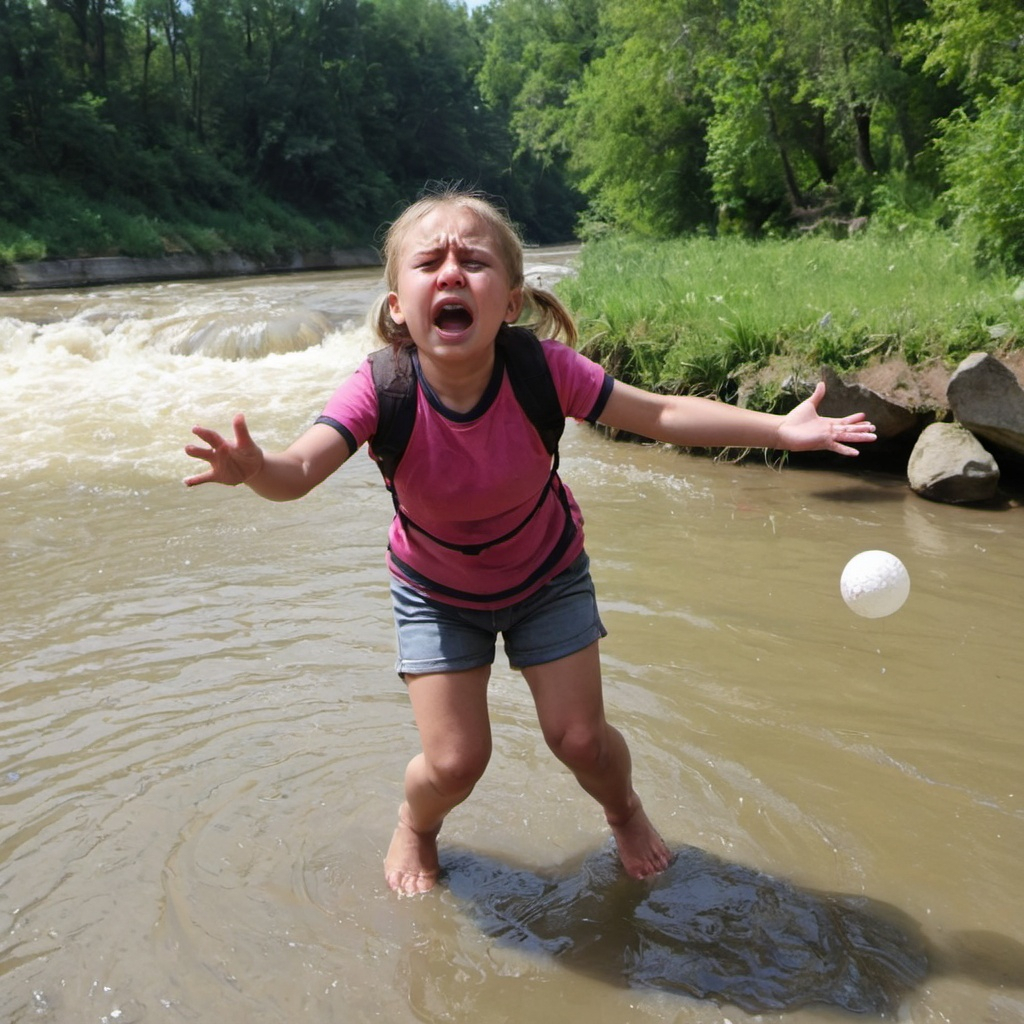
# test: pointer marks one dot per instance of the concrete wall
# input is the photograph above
(103, 270)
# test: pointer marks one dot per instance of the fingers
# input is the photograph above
(211, 437)
(861, 430)
(818, 394)
(858, 432)
(843, 449)
(854, 419)
(242, 436)
(201, 478)
(199, 453)
(207, 454)
(230, 462)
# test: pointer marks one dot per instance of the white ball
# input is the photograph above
(875, 584)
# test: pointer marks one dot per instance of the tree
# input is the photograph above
(94, 21)
(638, 129)
(535, 52)
(977, 45)
(772, 111)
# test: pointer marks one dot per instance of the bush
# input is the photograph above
(984, 157)
(17, 246)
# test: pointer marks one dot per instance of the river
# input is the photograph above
(202, 739)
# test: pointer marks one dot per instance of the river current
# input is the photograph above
(202, 738)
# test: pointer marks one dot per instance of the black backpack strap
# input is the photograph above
(394, 380)
(531, 380)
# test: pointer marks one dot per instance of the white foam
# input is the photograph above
(106, 390)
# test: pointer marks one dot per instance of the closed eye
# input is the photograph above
(468, 259)
(433, 264)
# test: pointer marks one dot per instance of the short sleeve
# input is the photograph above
(583, 386)
(352, 409)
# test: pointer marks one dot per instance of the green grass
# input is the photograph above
(43, 218)
(697, 315)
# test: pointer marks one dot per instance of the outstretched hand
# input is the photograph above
(803, 430)
(231, 462)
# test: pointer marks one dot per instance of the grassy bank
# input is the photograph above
(701, 315)
(57, 220)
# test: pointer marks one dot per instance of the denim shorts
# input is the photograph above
(558, 620)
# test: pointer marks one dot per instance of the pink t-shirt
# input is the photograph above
(469, 478)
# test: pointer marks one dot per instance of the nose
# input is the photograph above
(451, 274)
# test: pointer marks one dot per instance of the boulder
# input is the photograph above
(891, 419)
(252, 334)
(949, 464)
(986, 397)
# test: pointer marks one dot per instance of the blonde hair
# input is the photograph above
(546, 315)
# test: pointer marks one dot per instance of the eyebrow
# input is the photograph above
(471, 245)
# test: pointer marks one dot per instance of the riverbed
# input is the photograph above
(203, 738)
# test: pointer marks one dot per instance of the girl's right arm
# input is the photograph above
(277, 476)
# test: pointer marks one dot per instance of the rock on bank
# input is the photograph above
(960, 439)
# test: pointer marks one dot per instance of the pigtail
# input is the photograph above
(395, 335)
(545, 315)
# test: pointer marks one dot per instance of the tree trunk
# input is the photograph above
(862, 122)
(820, 150)
(796, 197)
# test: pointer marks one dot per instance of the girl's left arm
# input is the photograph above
(692, 422)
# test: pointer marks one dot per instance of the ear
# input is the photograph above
(515, 305)
(395, 309)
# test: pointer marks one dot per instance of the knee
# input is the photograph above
(454, 771)
(579, 747)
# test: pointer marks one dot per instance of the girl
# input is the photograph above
(476, 473)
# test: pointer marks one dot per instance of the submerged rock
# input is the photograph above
(705, 928)
(253, 335)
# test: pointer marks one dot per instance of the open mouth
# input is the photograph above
(452, 317)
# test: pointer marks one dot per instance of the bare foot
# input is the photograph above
(642, 851)
(411, 864)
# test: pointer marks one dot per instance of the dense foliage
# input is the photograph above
(148, 125)
(143, 126)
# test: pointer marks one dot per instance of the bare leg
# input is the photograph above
(451, 716)
(570, 707)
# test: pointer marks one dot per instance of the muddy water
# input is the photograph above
(202, 740)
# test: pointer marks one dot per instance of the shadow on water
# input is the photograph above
(711, 929)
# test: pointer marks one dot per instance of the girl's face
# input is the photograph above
(452, 289)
